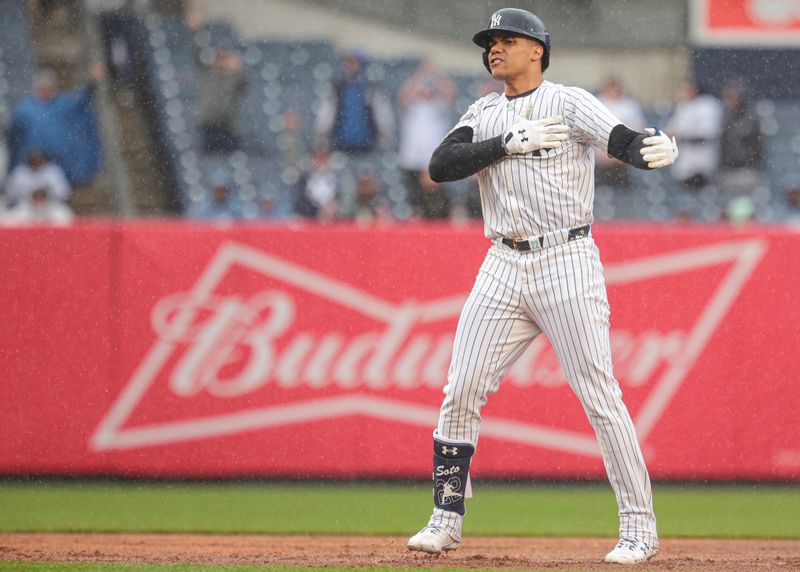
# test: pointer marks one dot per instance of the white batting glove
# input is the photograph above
(659, 150)
(528, 135)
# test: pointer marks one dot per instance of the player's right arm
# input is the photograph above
(460, 156)
(457, 157)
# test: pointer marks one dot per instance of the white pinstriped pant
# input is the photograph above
(559, 291)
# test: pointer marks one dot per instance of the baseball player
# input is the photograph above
(531, 148)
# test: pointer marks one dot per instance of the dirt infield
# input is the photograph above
(361, 551)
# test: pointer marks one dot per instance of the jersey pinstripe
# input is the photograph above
(532, 194)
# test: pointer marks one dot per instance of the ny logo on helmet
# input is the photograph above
(495, 21)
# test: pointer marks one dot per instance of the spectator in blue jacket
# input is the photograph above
(62, 124)
(358, 116)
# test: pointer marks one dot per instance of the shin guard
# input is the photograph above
(451, 474)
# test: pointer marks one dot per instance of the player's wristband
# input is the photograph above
(624, 144)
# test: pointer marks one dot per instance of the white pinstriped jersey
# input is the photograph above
(548, 190)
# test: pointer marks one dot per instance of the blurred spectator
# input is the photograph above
(792, 199)
(434, 202)
(426, 99)
(37, 173)
(63, 125)
(222, 87)
(270, 207)
(290, 141)
(119, 24)
(696, 123)
(473, 199)
(683, 215)
(3, 152)
(465, 200)
(367, 204)
(742, 144)
(222, 206)
(357, 117)
(318, 189)
(48, 6)
(609, 171)
(38, 208)
(740, 210)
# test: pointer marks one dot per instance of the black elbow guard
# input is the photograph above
(437, 169)
(626, 144)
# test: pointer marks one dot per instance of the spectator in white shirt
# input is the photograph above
(426, 99)
(38, 208)
(609, 171)
(696, 123)
(36, 173)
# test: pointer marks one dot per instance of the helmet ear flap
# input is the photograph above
(546, 53)
(486, 60)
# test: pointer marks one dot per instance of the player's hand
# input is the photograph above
(528, 135)
(659, 150)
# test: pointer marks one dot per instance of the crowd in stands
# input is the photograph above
(53, 146)
(348, 138)
(363, 155)
(724, 140)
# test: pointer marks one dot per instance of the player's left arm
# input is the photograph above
(652, 149)
(594, 123)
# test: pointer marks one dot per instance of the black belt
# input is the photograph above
(524, 245)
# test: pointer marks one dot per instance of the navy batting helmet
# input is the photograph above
(519, 22)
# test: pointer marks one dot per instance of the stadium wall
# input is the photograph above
(170, 349)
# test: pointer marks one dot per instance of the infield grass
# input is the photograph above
(743, 511)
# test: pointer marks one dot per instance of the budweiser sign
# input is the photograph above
(260, 342)
(745, 23)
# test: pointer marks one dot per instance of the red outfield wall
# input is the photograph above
(161, 349)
